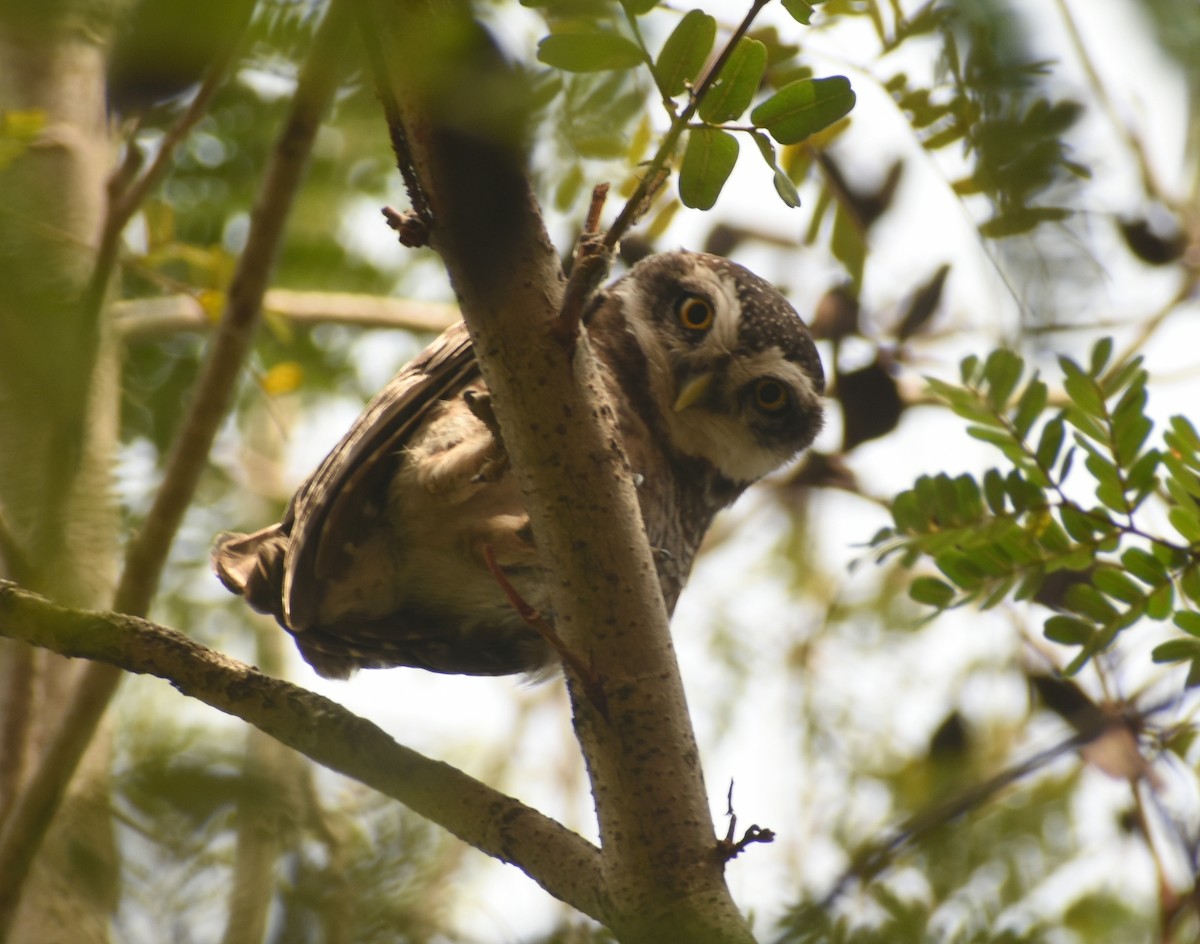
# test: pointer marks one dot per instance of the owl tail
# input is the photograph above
(251, 565)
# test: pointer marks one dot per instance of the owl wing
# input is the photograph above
(347, 494)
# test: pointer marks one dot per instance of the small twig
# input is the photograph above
(589, 267)
(591, 224)
(728, 848)
(592, 686)
(411, 227)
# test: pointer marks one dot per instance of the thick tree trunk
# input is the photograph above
(58, 412)
(457, 117)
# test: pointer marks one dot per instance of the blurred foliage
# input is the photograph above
(365, 873)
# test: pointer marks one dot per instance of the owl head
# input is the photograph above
(729, 363)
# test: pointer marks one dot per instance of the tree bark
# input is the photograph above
(465, 166)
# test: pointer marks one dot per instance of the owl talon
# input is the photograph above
(592, 683)
(480, 405)
(495, 465)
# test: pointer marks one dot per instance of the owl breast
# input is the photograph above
(402, 547)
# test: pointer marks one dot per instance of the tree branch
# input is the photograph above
(148, 319)
(662, 875)
(563, 863)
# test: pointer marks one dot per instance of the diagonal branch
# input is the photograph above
(563, 863)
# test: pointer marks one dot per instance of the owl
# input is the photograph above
(380, 560)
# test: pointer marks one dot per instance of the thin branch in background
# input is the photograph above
(147, 551)
(562, 862)
(147, 319)
(1132, 141)
(128, 190)
(1187, 289)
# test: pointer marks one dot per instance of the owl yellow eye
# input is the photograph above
(770, 396)
(695, 313)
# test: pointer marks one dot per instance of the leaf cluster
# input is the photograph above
(994, 106)
(600, 49)
(1020, 532)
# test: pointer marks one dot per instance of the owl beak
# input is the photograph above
(691, 389)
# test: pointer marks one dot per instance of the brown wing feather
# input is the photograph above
(350, 486)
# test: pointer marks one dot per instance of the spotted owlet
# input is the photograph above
(379, 559)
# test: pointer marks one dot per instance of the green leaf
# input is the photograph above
(962, 570)
(589, 52)
(1029, 407)
(907, 513)
(800, 10)
(1087, 601)
(1188, 621)
(707, 163)
(968, 498)
(1050, 443)
(1085, 423)
(738, 80)
(685, 51)
(1031, 583)
(1130, 373)
(1078, 524)
(1019, 219)
(1142, 478)
(639, 7)
(783, 183)
(1101, 353)
(1176, 650)
(848, 244)
(1082, 389)
(1160, 602)
(804, 107)
(1182, 428)
(1068, 630)
(932, 592)
(993, 490)
(1116, 584)
(1186, 522)
(1145, 566)
(1189, 583)
(1002, 371)
(968, 369)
